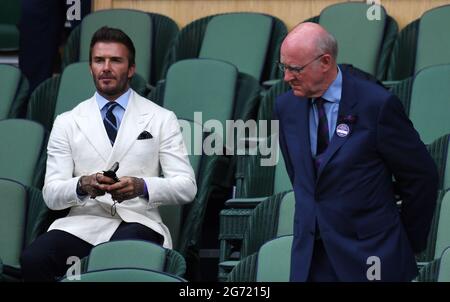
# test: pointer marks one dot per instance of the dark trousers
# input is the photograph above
(321, 269)
(45, 259)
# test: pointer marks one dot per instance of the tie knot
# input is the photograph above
(110, 106)
(320, 101)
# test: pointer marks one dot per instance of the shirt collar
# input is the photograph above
(334, 91)
(121, 100)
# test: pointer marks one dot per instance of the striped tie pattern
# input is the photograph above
(110, 122)
(323, 138)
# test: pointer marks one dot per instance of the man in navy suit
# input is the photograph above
(344, 139)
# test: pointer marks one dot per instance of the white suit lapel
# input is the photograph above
(136, 118)
(90, 122)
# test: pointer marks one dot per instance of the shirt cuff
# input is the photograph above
(145, 195)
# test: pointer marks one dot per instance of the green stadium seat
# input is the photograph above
(273, 217)
(422, 43)
(24, 216)
(430, 102)
(13, 100)
(251, 41)
(135, 254)
(272, 263)
(21, 150)
(360, 40)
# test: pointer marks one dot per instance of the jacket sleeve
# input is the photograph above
(413, 168)
(60, 185)
(282, 144)
(178, 185)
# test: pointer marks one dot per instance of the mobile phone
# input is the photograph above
(111, 173)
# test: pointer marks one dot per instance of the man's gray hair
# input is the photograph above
(328, 44)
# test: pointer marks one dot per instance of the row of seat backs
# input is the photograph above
(422, 43)
(13, 100)
(243, 39)
(269, 259)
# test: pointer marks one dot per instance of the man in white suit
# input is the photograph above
(115, 125)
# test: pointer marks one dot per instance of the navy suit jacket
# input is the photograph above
(352, 194)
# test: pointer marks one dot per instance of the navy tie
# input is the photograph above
(110, 122)
(323, 138)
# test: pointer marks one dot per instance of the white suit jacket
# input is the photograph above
(79, 145)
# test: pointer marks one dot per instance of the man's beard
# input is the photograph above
(120, 88)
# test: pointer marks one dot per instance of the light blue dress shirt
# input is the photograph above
(333, 97)
(118, 111)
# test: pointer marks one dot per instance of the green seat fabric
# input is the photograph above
(189, 42)
(125, 275)
(76, 85)
(443, 229)
(430, 102)
(444, 268)
(10, 78)
(439, 151)
(127, 253)
(274, 260)
(272, 263)
(433, 44)
(20, 150)
(137, 25)
(286, 215)
(190, 87)
(359, 39)
(14, 92)
(9, 19)
(13, 198)
(240, 39)
(403, 56)
(422, 43)
(193, 139)
(24, 218)
(438, 236)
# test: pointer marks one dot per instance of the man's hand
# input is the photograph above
(127, 188)
(94, 185)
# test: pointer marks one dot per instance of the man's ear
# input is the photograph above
(326, 61)
(131, 71)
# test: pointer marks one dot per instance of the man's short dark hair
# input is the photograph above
(109, 34)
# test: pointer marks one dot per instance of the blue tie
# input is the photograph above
(110, 122)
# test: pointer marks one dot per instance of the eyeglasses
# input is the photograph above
(296, 69)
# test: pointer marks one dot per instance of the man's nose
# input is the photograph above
(107, 65)
(288, 76)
